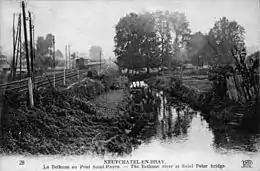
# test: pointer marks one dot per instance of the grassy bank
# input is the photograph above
(77, 120)
(199, 95)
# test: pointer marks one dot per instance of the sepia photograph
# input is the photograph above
(129, 85)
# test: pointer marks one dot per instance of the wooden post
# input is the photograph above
(17, 42)
(69, 55)
(30, 91)
(54, 61)
(78, 74)
(66, 56)
(13, 62)
(20, 51)
(77, 57)
(31, 46)
(64, 76)
(100, 64)
(25, 41)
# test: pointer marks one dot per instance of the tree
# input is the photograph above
(180, 30)
(95, 52)
(199, 50)
(164, 35)
(173, 32)
(58, 54)
(44, 44)
(44, 58)
(136, 41)
(224, 37)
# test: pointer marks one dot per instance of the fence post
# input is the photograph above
(30, 92)
(78, 74)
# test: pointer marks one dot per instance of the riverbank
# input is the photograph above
(219, 110)
(71, 121)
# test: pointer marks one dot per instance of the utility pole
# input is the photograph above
(69, 55)
(12, 71)
(31, 46)
(17, 42)
(14, 62)
(100, 64)
(30, 86)
(65, 67)
(66, 56)
(20, 41)
(54, 60)
(34, 46)
(77, 64)
(25, 41)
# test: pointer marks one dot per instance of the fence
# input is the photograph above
(238, 91)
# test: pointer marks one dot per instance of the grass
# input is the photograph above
(109, 99)
(202, 85)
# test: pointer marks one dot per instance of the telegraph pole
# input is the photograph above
(54, 60)
(34, 46)
(31, 45)
(77, 64)
(13, 62)
(25, 40)
(20, 41)
(69, 55)
(65, 67)
(30, 86)
(66, 50)
(17, 42)
(100, 64)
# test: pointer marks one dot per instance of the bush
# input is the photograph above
(88, 88)
(218, 75)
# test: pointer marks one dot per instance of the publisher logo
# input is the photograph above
(247, 164)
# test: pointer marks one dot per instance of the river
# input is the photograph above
(181, 137)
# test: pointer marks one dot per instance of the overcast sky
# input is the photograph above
(89, 22)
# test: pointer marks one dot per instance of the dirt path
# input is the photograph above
(109, 99)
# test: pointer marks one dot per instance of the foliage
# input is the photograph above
(252, 61)
(136, 41)
(95, 52)
(166, 82)
(223, 37)
(121, 82)
(218, 75)
(150, 40)
(44, 51)
(216, 46)
(249, 73)
(87, 88)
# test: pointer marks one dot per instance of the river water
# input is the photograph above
(181, 137)
(184, 137)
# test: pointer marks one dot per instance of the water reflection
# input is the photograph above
(226, 138)
(174, 125)
(174, 120)
(187, 131)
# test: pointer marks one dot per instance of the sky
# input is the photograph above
(83, 23)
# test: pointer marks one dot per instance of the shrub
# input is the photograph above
(218, 75)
